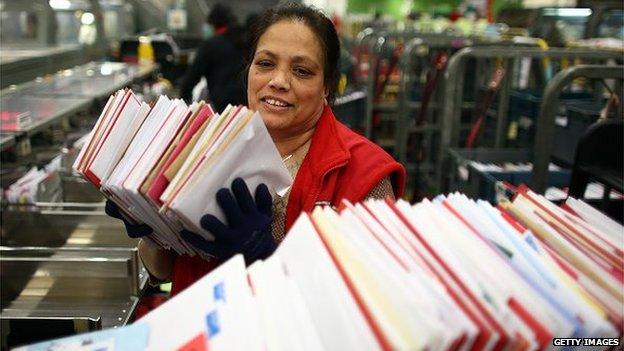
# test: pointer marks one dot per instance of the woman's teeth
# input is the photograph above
(276, 103)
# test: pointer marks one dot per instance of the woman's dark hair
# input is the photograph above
(221, 15)
(322, 27)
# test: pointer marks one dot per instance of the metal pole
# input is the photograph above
(503, 105)
(405, 112)
(545, 126)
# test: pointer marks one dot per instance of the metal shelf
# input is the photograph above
(6, 140)
(43, 111)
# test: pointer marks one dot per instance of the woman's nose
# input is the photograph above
(280, 80)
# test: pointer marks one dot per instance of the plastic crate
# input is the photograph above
(570, 127)
(487, 185)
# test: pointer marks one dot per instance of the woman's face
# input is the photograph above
(285, 81)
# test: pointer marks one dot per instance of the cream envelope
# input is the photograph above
(387, 316)
(215, 127)
(192, 112)
(586, 239)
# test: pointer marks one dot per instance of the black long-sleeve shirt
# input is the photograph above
(222, 63)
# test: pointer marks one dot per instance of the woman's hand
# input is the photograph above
(134, 230)
(249, 225)
(157, 261)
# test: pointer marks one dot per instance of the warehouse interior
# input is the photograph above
(478, 97)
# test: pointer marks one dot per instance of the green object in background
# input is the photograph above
(165, 288)
(396, 8)
(385, 7)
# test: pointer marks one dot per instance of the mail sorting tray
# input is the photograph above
(42, 286)
(66, 266)
(482, 183)
(62, 224)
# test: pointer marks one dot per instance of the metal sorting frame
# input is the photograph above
(56, 257)
(453, 84)
(111, 267)
(376, 42)
(106, 286)
(545, 128)
(418, 46)
(415, 50)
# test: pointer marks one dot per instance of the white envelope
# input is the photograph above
(119, 137)
(336, 316)
(286, 323)
(219, 305)
(252, 156)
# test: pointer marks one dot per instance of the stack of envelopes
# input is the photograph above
(163, 164)
(445, 274)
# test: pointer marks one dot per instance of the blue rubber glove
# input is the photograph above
(249, 225)
(134, 230)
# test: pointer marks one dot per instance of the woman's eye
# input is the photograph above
(264, 63)
(302, 72)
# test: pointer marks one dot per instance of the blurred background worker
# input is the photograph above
(220, 60)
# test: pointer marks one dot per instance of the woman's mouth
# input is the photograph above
(272, 103)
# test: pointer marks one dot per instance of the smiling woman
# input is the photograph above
(286, 83)
(291, 76)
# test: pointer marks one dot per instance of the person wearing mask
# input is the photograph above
(291, 76)
(220, 59)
